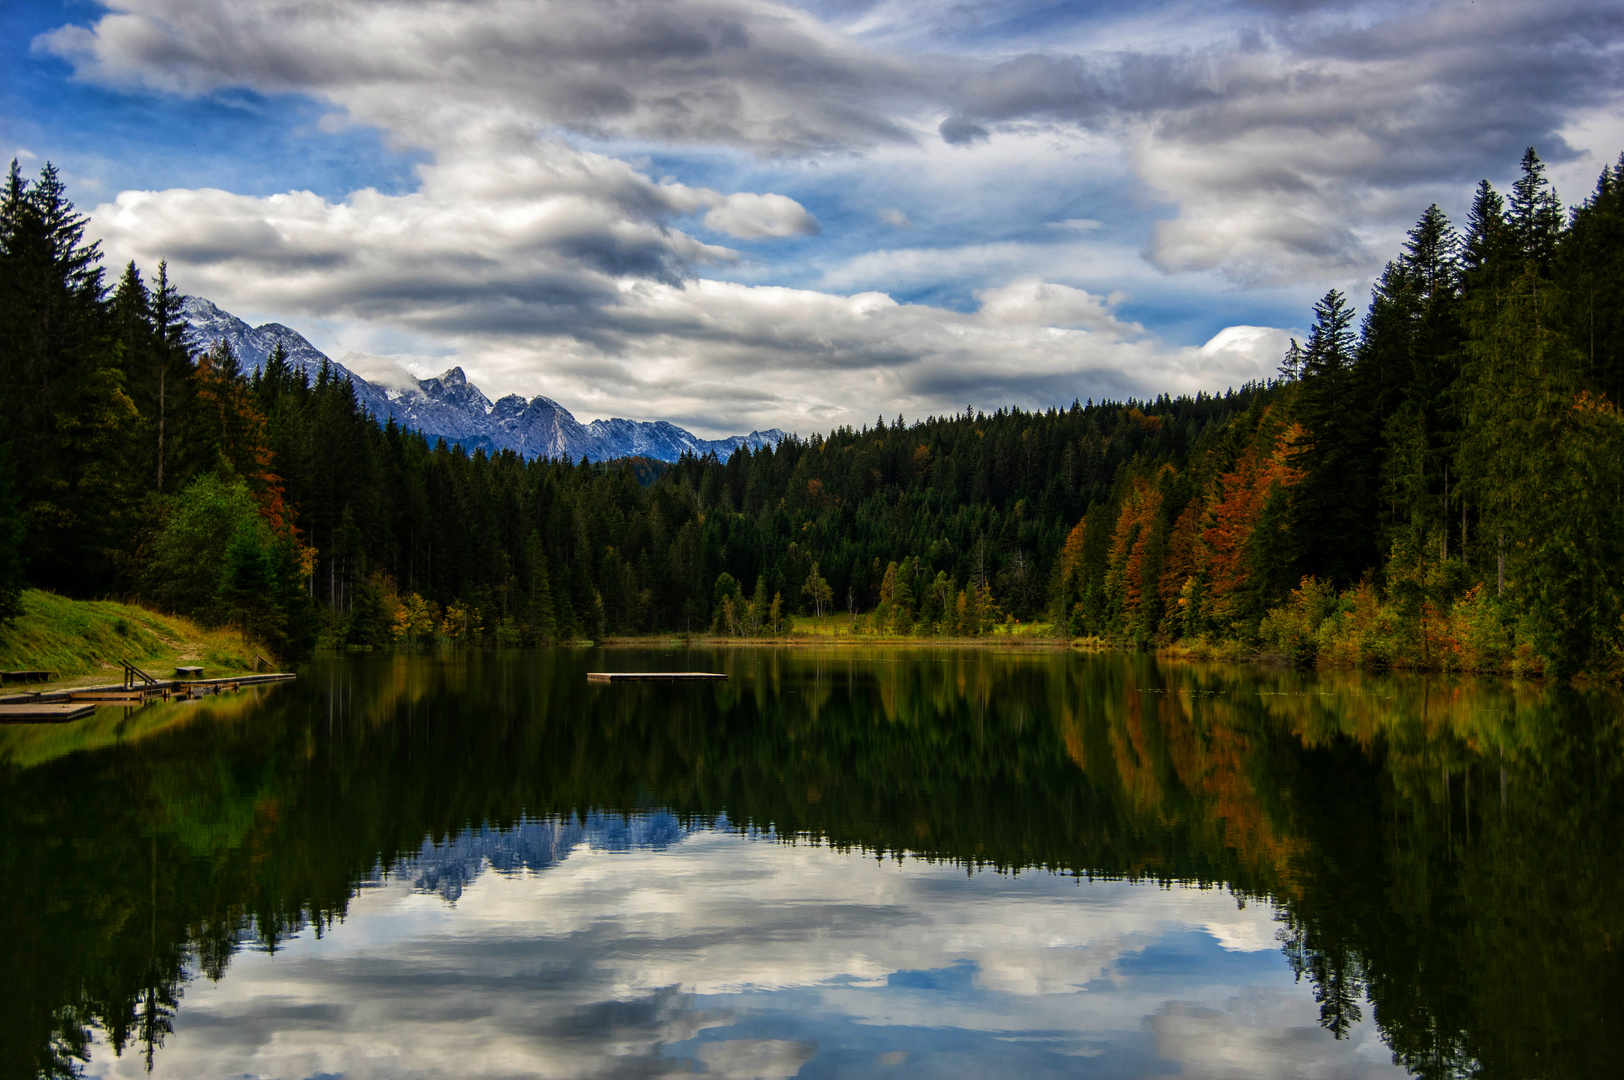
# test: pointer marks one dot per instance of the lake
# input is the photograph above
(839, 862)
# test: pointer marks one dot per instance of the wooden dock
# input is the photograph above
(53, 712)
(653, 676)
(71, 703)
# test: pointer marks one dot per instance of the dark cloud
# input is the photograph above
(958, 131)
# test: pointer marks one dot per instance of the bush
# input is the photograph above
(1291, 630)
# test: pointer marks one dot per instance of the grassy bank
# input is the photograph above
(82, 641)
(844, 629)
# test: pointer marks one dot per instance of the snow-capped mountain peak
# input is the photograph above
(450, 407)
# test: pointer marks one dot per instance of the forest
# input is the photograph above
(1435, 484)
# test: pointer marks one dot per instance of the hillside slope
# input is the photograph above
(82, 641)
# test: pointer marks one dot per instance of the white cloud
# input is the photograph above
(750, 216)
(895, 217)
(1031, 302)
(755, 1059)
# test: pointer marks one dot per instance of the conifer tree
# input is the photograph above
(12, 562)
(539, 614)
(1534, 214)
(1336, 519)
(1590, 270)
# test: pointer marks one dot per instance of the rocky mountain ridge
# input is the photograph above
(450, 407)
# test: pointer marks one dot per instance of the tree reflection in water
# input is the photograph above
(1444, 852)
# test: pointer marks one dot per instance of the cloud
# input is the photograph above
(505, 232)
(755, 1059)
(1039, 303)
(1284, 143)
(1282, 146)
(550, 270)
(753, 217)
(957, 131)
(750, 73)
(1263, 1035)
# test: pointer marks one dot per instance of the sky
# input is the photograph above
(742, 214)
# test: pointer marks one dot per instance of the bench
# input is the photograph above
(188, 673)
(25, 676)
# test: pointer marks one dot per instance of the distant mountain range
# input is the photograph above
(449, 865)
(450, 407)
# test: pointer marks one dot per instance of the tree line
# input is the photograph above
(1441, 485)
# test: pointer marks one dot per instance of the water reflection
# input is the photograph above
(540, 876)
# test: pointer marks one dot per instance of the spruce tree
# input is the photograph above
(12, 562)
(1534, 214)
(539, 614)
(1590, 269)
(1334, 520)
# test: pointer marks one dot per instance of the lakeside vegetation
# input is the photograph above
(1441, 487)
(83, 640)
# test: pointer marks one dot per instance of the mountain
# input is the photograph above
(450, 407)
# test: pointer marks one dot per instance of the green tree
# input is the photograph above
(1545, 461)
(818, 590)
(1334, 503)
(539, 615)
(12, 562)
(248, 587)
(186, 558)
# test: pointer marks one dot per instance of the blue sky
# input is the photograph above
(739, 214)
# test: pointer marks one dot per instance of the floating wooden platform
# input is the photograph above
(51, 712)
(653, 676)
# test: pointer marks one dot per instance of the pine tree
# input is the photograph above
(1409, 356)
(167, 379)
(12, 562)
(1545, 461)
(62, 396)
(539, 614)
(1534, 214)
(1336, 501)
(1590, 270)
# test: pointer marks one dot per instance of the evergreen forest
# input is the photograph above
(1437, 483)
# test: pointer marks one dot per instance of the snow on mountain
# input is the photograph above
(454, 409)
(253, 345)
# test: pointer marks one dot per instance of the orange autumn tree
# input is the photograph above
(1179, 581)
(1244, 519)
(1182, 554)
(1071, 578)
(236, 426)
(1134, 560)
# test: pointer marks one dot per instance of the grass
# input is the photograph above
(839, 628)
(82, 641)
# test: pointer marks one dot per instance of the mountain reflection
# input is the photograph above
(1443, 852)
(446, 867)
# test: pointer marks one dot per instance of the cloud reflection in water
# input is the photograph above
(640, 947)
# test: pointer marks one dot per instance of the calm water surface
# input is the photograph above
(880, 863)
